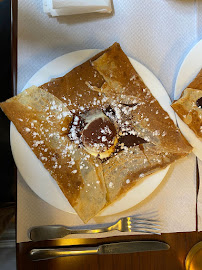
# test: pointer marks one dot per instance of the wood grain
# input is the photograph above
(180, 244)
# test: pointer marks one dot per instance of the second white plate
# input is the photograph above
(188, 71)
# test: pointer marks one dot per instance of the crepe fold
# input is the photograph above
(188, 107)
(43, 116)
(42, 120)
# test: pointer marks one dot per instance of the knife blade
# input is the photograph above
(112, 248)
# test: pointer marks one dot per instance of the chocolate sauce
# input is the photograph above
(131, 140)
(130, 104)
(199, 102)
(99, 133)
(109, 111)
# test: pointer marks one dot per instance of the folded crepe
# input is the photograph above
(97, 130)
(189, 105)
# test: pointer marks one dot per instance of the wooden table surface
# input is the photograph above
(172, 259)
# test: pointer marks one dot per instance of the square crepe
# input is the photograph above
(97, 130)
(189, 105)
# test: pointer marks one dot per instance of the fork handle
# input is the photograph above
(48, 232)
(96, 230)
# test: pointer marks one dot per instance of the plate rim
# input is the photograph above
(83, 60)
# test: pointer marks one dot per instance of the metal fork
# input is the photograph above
(135, 223)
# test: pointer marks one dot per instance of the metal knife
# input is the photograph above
(112, 248)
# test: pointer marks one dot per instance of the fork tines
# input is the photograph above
(144, 223)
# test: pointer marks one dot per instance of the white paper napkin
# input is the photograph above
(159, 34)
(70, 7)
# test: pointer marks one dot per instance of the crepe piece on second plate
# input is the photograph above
(189, 105)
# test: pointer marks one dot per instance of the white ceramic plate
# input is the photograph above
(188, 71)
(38, 178)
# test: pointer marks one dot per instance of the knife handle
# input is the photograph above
(38, 254)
